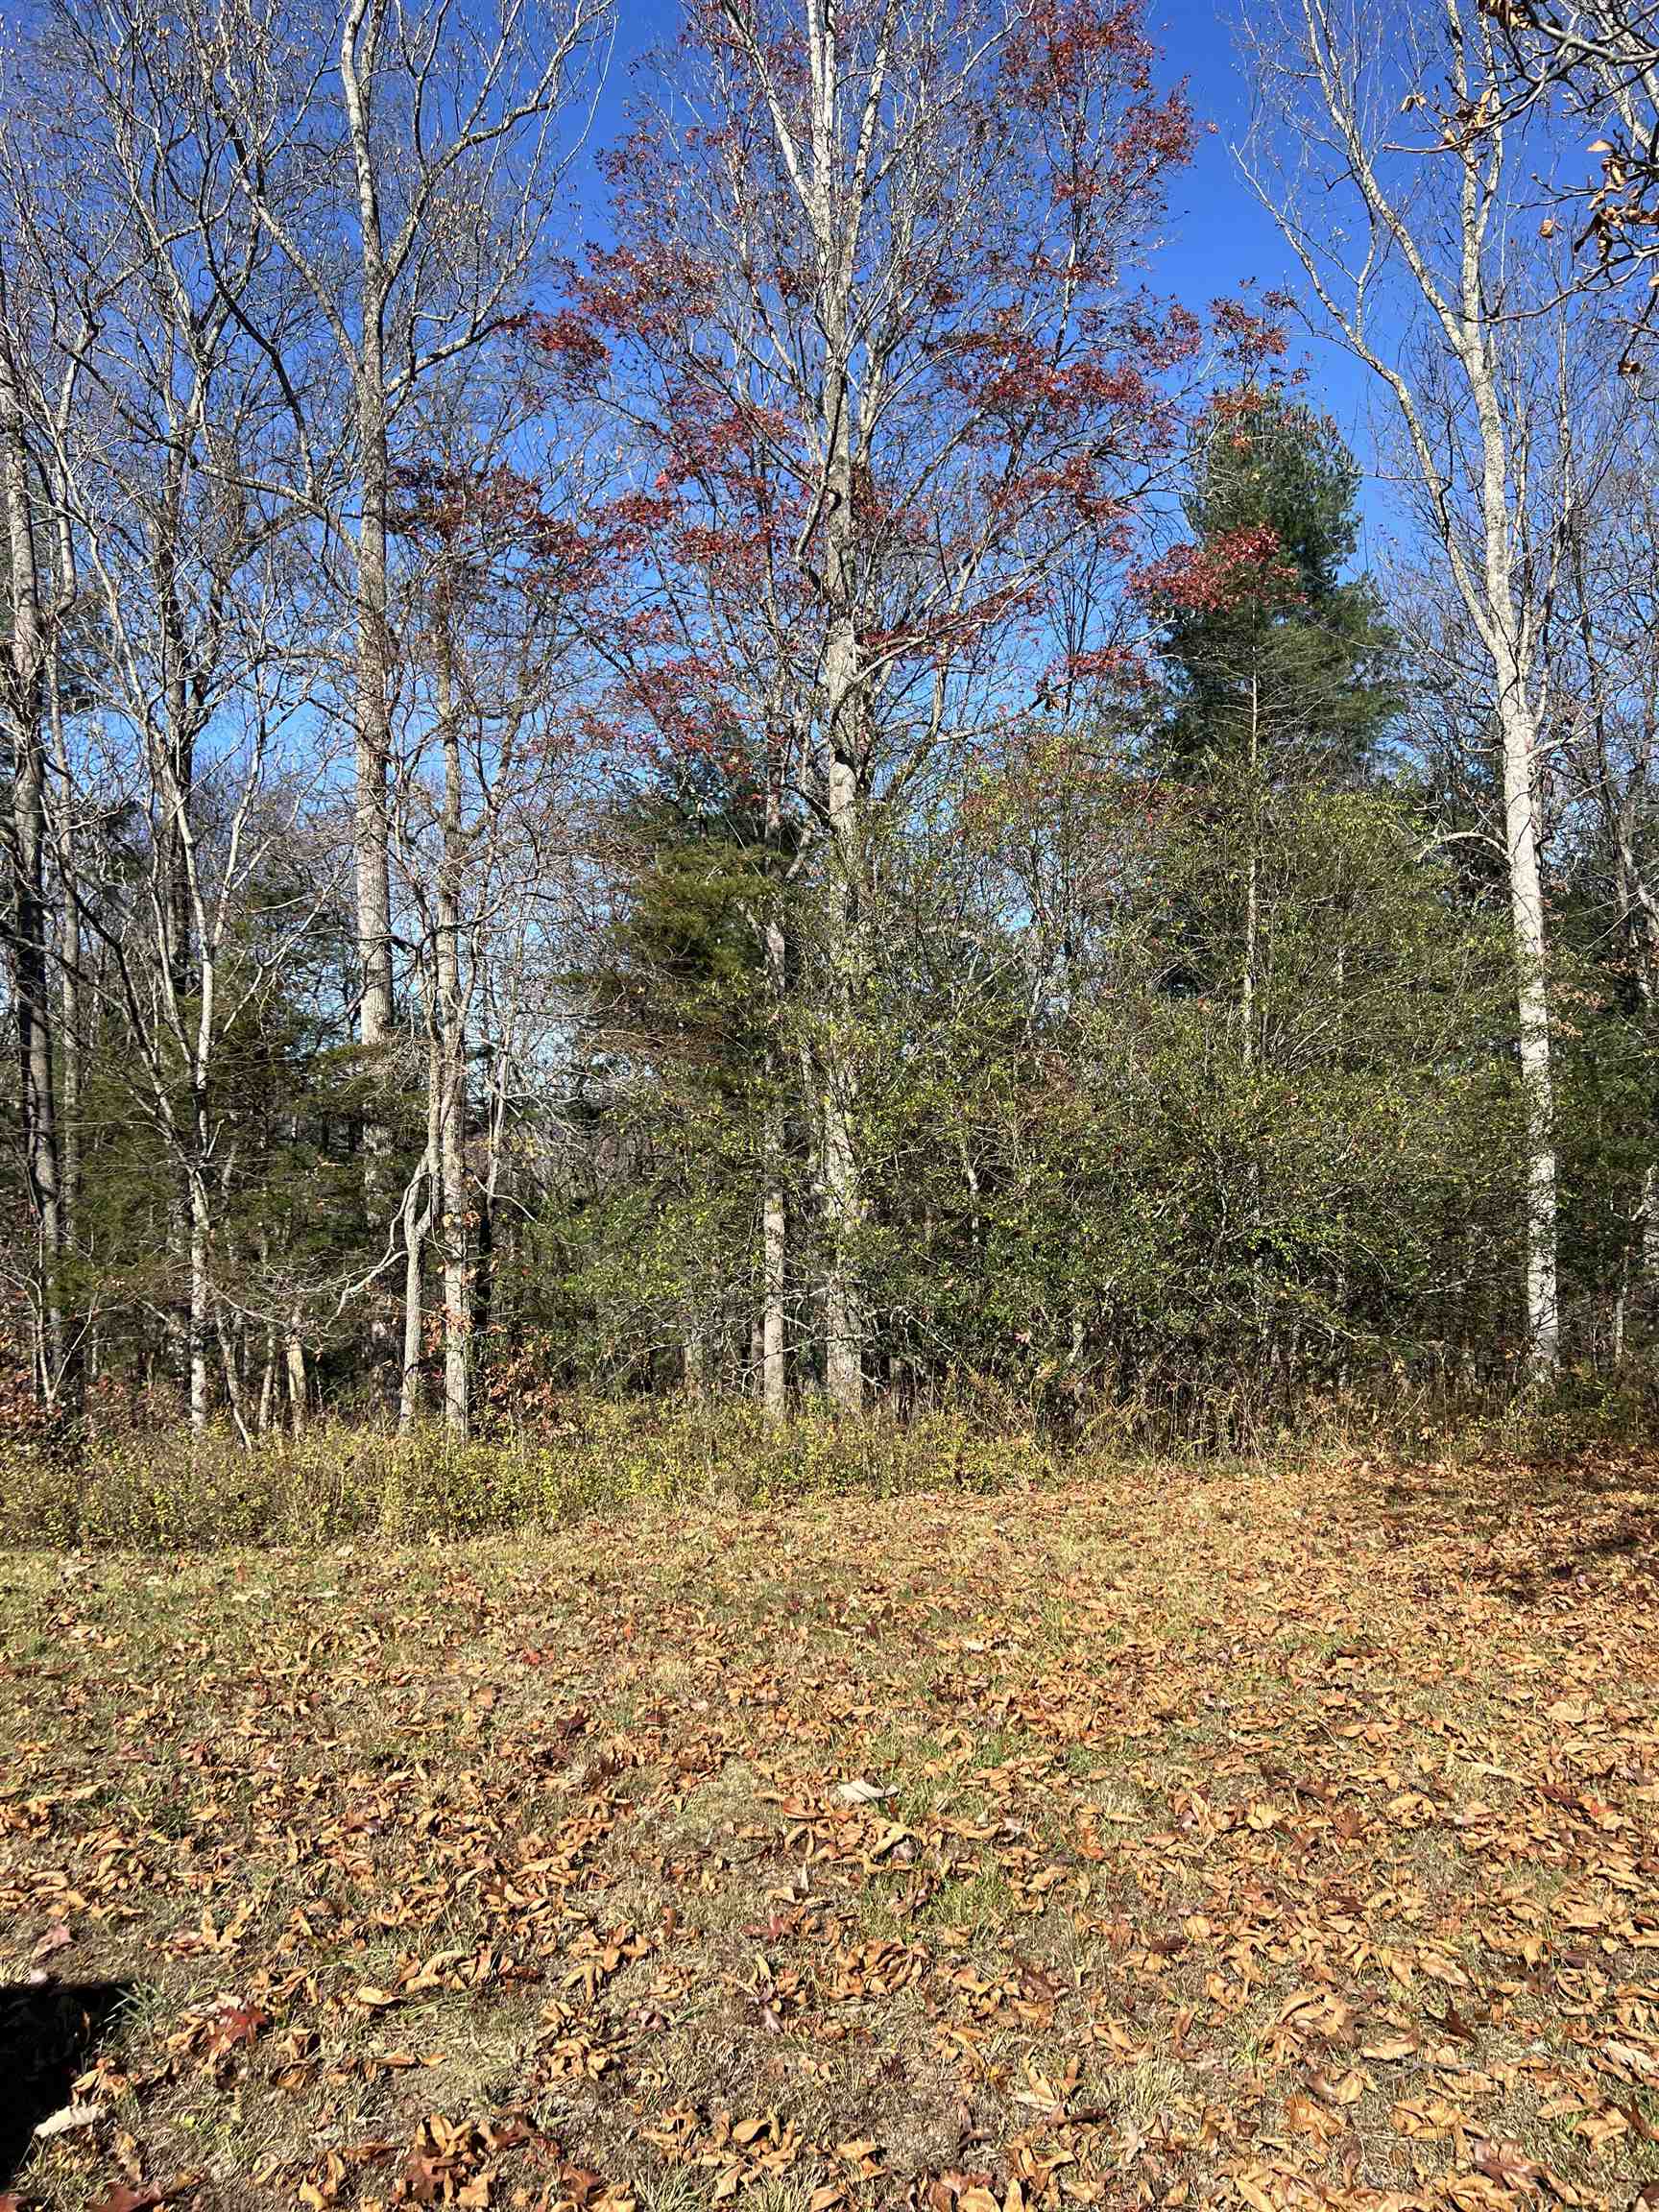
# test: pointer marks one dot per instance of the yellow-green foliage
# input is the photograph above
(159, 1489)
(166, 1490)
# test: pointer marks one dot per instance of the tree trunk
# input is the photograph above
(452, 1032)
(694, 1362)
(231, 1346)
(199, 1296)
(30, 920)
(1252, 885)
(1517, 731)
(844, 1319)
(69, 961)
(374, 747)
(775, 1239)
(834, 218)
(294, 1363)
(484, 1257)
(417, 1222)
(774, 1215)
(268, 1381)
(372, 829)
(1248, 996)
(1532, 1009)
(176, 779)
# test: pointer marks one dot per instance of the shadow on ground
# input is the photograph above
(1534, 1534)
(48, 2033)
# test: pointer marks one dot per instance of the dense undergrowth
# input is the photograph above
(159, 1486)
(341, 1479)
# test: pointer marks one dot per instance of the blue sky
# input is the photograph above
(1218, 234)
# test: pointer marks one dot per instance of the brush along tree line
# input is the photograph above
(727, 758)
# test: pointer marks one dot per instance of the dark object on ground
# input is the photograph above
(48, 2033)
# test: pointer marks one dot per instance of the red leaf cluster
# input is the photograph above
(1235, 569)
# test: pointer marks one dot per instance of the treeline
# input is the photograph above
(812, 797)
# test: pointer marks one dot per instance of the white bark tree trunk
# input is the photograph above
(418, 1206)
(70, 954)
(452, 1042)
(200, 1299)
(774, 1379)
(294, 1367)
(1532, 1010)
(358, 44)
(1518, 736)
(30, 917)
(843, 720)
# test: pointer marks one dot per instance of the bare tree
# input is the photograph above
(442, 134)
(1377, 152)
(179, 492)
(38, 386)
(23, 695)
(494, 637)
(872, 285)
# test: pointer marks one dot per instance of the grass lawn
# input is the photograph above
(1176, 1839)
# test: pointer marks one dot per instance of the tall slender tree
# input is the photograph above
(29, 921)
(873, 317)
(442, 135)
(1404, 205)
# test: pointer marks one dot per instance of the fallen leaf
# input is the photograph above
(236, 2024)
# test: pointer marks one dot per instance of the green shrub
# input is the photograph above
(1582, 1411)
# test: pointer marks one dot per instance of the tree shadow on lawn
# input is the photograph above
(48, 2033)
(1532, 1532)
